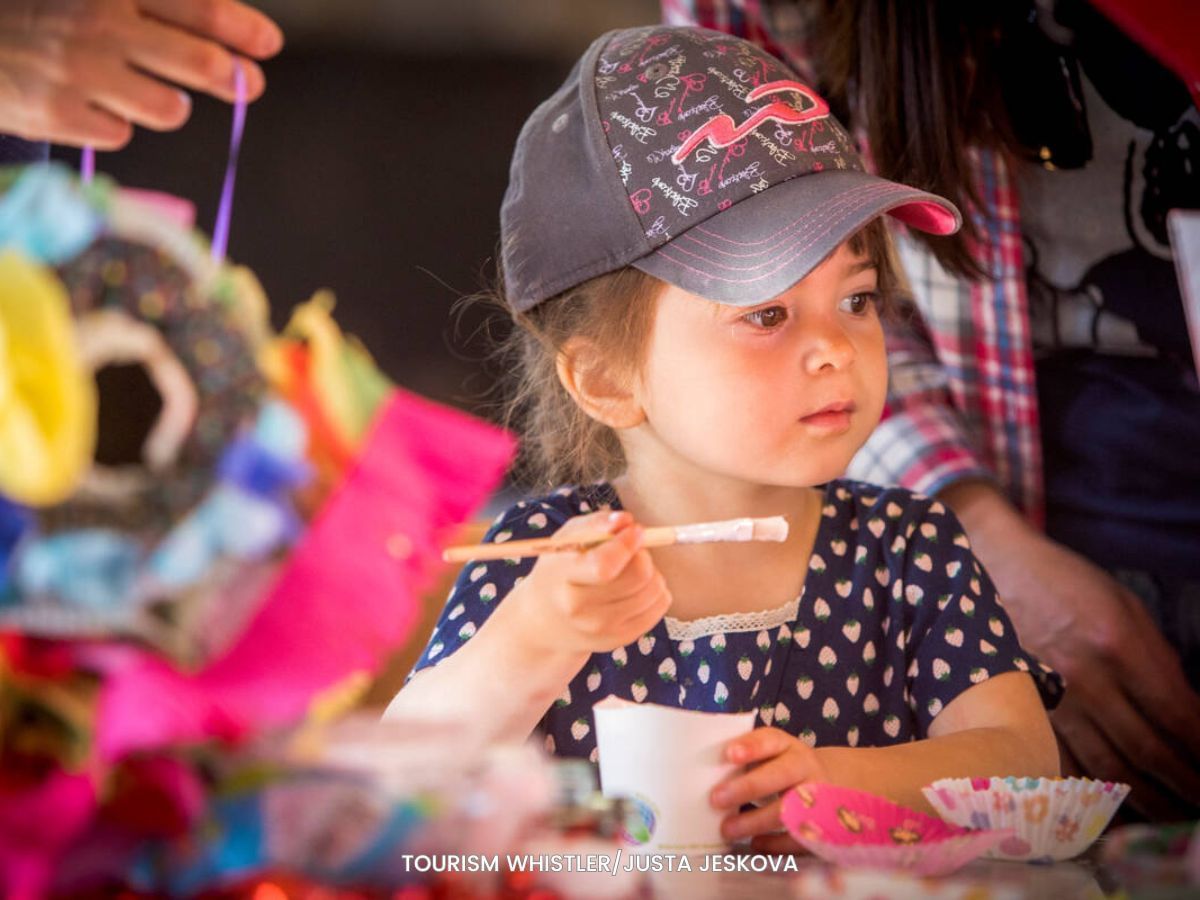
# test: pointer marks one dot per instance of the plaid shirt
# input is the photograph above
(962, 401)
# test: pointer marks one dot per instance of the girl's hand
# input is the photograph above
(783, 761)
(594, 600)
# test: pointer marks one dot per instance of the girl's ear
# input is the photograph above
(593, 382)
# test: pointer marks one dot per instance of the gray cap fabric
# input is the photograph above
(696, 157)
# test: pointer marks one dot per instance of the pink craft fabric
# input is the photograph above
(36, 825)
(348, 595)
(177, 210)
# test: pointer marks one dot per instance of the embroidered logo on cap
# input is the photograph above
(721, 131)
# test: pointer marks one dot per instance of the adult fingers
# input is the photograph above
(192, 62)
(73, 121)
(139, 99)
(1099, 759)
(1069, 764)
(1153, 677)
(1110, 695)
(1137, 740)
(227, 22)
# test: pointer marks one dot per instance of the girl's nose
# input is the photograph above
(827, 347)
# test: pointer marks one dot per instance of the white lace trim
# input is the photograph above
(726, 623)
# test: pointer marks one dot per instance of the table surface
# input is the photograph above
(1080, 878)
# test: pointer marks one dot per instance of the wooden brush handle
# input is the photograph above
(659, 536)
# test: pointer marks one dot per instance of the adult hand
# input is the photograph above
(87, 71)
(1129, 713)
(779, 761)
(595, 600)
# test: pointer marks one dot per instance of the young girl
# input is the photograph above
(697, 266)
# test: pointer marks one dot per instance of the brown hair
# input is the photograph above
(615, 312)
(920, 77)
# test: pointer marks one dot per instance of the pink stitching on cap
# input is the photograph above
(781, 262)
(787, 231)
(881, 187)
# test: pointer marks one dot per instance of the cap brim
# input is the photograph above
(760, 247)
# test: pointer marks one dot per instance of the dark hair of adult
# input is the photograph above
(919, 77)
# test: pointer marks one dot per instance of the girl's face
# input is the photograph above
(779, 394)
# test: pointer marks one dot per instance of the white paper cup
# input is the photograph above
(665, 762)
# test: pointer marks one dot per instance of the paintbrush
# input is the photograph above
(768, 528)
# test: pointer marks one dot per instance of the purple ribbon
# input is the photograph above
(225, 209)
(87, 166)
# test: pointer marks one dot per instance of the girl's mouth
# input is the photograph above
(831, 417)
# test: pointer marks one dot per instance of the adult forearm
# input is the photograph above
(986, 513)
(899, 772)
(1000, 536)
(497, 681)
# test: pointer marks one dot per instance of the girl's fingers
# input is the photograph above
(624, 615)
(763, 781)
(601, 565)
(648, 611)
(630, 583)
(761, 743)
(748, 824)
(788, 767)
(234, 24)
(776, 844)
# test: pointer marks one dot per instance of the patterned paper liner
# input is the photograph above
(1051, 818)
(854, 828)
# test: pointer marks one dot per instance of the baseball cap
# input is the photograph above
(696, 157)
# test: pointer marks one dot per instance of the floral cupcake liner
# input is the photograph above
(1051, 818)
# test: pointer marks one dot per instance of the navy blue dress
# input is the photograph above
(895, 620)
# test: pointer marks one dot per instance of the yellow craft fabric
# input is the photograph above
(47, 396)
(344, 378)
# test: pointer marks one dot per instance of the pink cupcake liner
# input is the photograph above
(854, 828)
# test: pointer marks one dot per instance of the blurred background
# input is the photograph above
(376, 161)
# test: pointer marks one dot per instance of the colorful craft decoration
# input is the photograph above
(1050, 818)
(855, 828)
(209, 535)
(47, 398)
(1155, 856)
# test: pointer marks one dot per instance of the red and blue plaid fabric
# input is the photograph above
(962, 402)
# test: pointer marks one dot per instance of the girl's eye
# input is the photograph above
(859, 304)
(768, 318)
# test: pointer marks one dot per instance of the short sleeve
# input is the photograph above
(959, 633)
(481, 586)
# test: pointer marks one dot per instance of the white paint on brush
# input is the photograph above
(770, 528)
